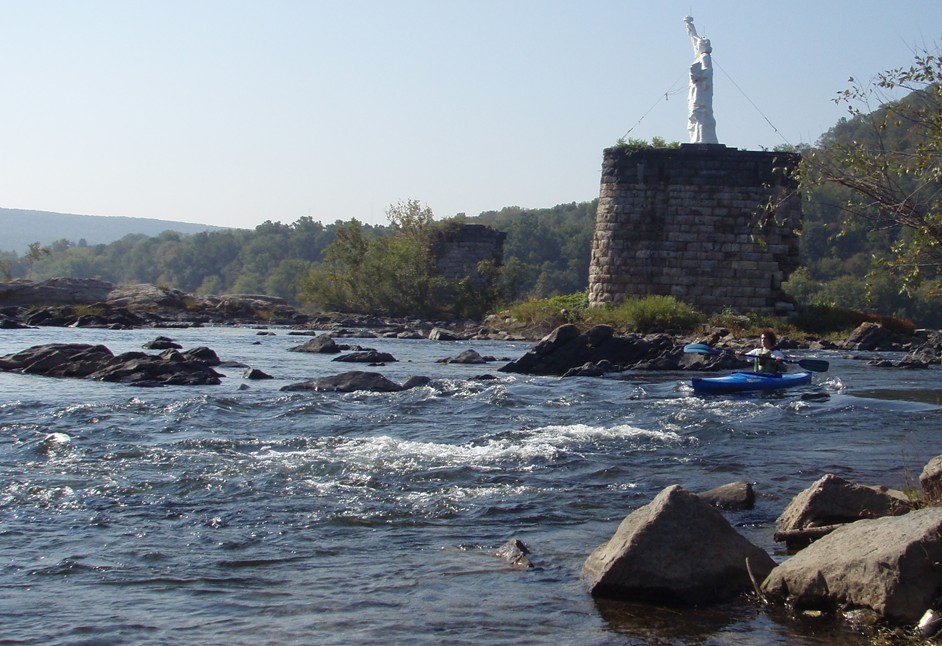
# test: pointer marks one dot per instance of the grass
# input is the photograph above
(554, 311)
(648, 314)
(667, 314)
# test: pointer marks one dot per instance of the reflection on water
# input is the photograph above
(930, 396)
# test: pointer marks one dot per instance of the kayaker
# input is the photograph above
(768, 358)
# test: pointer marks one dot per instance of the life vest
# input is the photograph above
(765, 362)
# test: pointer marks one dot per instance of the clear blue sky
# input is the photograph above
(231, 112)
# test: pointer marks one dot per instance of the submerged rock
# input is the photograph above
(734, 496)
(516, 554)
(349, 382)
(366, 356)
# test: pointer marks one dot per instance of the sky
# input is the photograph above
(234, 112)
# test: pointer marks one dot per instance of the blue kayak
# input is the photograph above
(738, 382)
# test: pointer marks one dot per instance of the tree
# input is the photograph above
(35, 253)
(890, 161)
(410, 218)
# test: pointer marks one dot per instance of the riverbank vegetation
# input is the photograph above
(871, 239)
(665, 313)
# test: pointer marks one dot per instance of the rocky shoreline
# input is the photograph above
(866, 554)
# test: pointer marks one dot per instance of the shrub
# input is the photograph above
(556, 310)
(750, 323)
(827, 318)
(648, 314)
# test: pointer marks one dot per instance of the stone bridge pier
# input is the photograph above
(712, 226)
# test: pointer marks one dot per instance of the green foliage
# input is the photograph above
(396, 274)
(648, 314)
(827, 318)
(547, 251)
(551, 312)
(633, 145)
(7, 264)
(89, 310)
(880, 174)
(474, 297)
(749, 323)
(264, 260)
(35, 253)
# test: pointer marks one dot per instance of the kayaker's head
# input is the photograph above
(768, 339)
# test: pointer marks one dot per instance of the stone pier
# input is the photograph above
(712, 226)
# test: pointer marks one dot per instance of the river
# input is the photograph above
(241, 514)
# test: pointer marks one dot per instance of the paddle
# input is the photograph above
(814, 365)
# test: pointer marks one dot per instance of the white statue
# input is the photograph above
(701, 124)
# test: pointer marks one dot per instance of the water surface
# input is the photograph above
(240, 514)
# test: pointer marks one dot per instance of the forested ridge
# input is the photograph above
(847, 252)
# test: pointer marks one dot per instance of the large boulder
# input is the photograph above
(677, 549)
(323, 344)
(890, 565)
(567, 348)
(832, 501)
(870, 337)
(202, 354)
(926, 347)
(931, 479)
(168, 369)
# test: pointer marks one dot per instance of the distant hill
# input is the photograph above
(21, 228)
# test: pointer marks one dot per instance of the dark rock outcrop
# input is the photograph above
(516, 554)
(468, 356)
(76, 360)
(162, 343)
(202, 354)
(735, 496)
(79, 360)
(871, 337)
(366, 356)
(168, 369)
(349, 382)
(678, 549)
(441, 334)
(81, 302)
(323, 344)
(567, 348)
